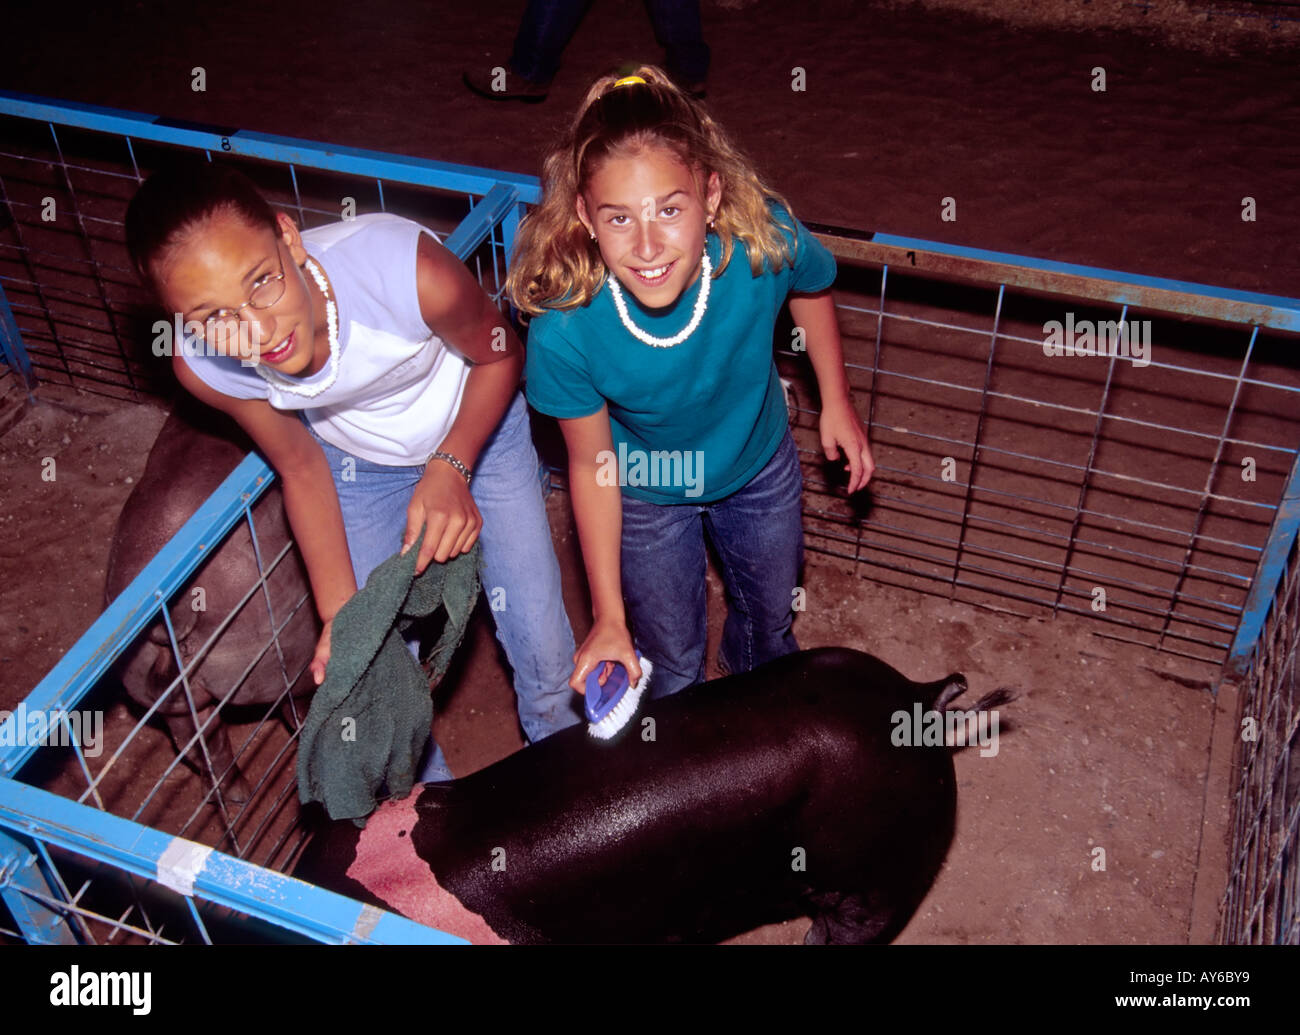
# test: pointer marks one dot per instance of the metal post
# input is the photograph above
(1272, 563)
(20, 872)
(11, 344)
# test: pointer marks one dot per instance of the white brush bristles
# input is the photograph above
(625, 709)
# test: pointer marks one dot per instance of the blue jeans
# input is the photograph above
(548, 25)
(518, 568)
(757, 534)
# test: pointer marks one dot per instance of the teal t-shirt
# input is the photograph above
(695, 422)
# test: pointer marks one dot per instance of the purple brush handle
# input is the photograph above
(602, 699)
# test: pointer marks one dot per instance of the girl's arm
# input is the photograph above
(598, 511)
(457, 309)
(840, 426)
(310, 499)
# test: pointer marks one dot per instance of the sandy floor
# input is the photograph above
(905, 105)
(1109, 747)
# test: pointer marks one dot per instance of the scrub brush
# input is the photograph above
(611, 707)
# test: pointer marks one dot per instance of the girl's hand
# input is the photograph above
(607, 641)
(841, 429)
(441, 502)
(322, 655)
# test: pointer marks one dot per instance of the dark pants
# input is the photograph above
(757, 533)
(548, 25)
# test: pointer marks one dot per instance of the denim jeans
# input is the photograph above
(548, 25)
(518, 567)
(757, 534)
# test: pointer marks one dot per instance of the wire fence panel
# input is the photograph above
(1051, 439)
(85, 319)
(86, 322)
(1262, 902)
(1046, 445)
(104, 879)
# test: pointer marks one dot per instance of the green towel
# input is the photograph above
(370, 720)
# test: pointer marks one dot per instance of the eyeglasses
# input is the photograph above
(223, 325)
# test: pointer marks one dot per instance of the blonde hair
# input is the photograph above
(556, 264)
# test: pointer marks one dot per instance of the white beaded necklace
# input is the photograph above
(701, 303)
(332, 319)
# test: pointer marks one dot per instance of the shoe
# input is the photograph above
(489, 85)
(695, 89)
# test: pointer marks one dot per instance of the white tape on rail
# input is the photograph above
(367, 920)
(180, 862)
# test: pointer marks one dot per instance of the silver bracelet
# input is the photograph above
(448, 458)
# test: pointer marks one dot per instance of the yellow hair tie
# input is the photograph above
(628, 80)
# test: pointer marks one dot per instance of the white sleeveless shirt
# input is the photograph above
(399, 385)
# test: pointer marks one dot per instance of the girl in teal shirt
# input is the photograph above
(655, 268)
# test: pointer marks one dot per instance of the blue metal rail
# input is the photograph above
(194, 870)
(37, 818)
(137, 606)
(1272, 564)
(1118, 287)
(423, 172)
(11, 345)
(27, 880)
(913, 254)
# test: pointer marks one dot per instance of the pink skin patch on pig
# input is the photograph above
(388, 866)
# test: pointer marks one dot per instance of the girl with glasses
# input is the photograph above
(382, 384)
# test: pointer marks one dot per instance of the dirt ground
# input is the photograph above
(1110, 745)
(905, 105)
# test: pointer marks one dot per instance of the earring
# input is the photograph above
(593, 237)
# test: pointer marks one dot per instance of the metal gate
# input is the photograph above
(1052, 439)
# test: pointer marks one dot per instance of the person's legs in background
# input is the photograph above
(677, 28)
(547, 27)
(544, 32)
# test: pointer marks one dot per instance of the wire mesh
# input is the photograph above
(264, 632)
(86, 322)
(1137, 493)
(1262, 902)
(83, 315)
(1132, 490)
